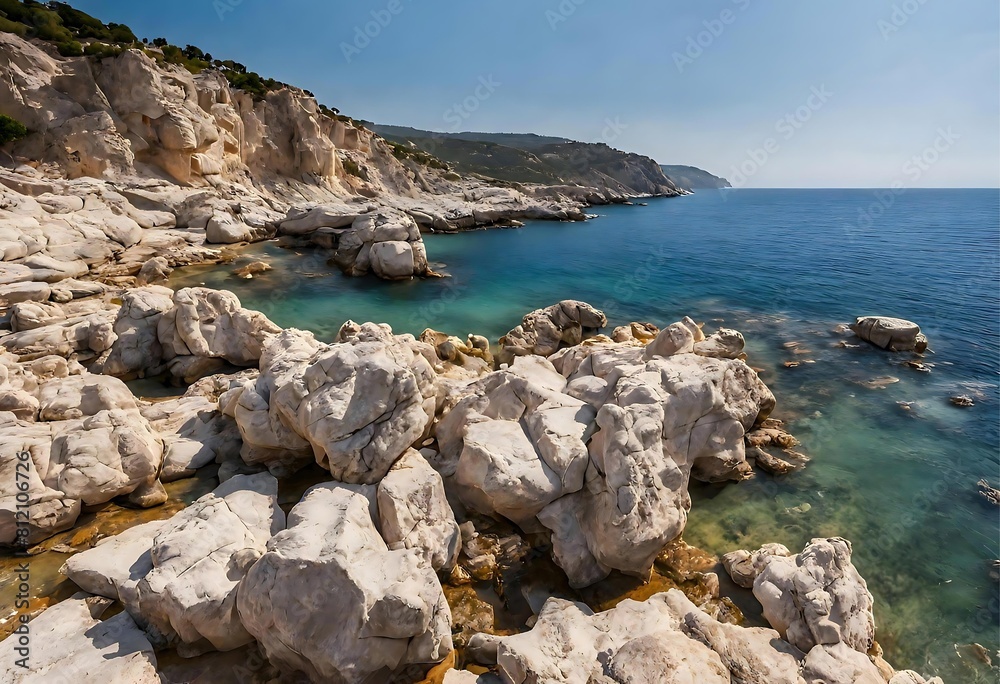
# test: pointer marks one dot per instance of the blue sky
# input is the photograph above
(778, 93)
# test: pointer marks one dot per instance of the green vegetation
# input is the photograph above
(102, 50)
(59, 23)
(11, 129)
(403, 152)
(70, 48)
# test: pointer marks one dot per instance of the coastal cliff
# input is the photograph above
(616, 176)
(692, 178)
(375, 507)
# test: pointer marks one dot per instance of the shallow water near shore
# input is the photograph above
(782, 267)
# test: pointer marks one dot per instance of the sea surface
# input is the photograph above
(894, 465)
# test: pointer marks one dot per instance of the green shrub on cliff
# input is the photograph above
(59, 23)
(16, 27)
(102, 50)
(11, 129)
(70, 48)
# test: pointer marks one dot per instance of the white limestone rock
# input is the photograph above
(744, 566)
(115, 564)
(817, 597)
(331, 561)
(49, 511)
(107, 455)
(70, 643)
(677, 338)
(545, 331)
(15, 293)
(268, 438)
(839, 664)
(194, 434)
(188, 598)
(629, 643)
(80, 396)
(414, 512)
(722, 344)
(213, 324)
(893, 334)
(137, 349)
(360, 403)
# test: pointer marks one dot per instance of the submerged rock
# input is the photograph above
(988, 492)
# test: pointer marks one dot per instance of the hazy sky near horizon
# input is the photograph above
(769, 93)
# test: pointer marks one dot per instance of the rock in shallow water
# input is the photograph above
(545, 331)
(893, 334)
(816, 597)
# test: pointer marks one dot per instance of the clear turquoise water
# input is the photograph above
(781, 266)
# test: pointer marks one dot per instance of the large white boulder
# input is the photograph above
(188, 598)
(817, 597)
(109, 454)
(358, 404)
(329, 564)
(213, 324)
(413, 512)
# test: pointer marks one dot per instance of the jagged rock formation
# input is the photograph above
(546, 331)
(667, 637)
(331, 561)
(595, 443)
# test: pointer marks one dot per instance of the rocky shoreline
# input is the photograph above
(375, 507)
(584, 443)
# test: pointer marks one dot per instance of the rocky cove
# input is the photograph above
(365, 506)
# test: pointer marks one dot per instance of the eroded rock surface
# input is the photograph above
(598, 443)
(893, 334)
(332, 564)
(81, 648)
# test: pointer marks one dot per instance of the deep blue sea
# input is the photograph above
(893, 469)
